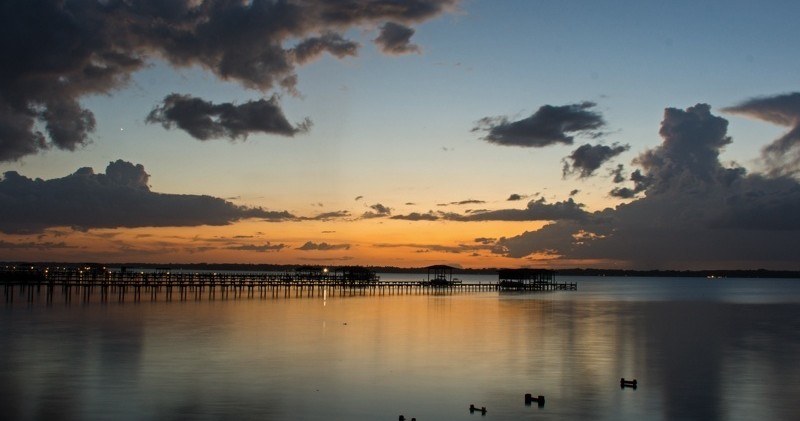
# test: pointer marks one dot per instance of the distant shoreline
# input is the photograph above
(730, 273)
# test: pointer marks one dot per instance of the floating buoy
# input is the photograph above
(472, 409)
(529, 398)
(627, 383)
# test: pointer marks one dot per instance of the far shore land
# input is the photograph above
(725, 273)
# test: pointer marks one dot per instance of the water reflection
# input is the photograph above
(375, 357)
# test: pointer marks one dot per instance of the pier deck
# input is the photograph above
(120, 285)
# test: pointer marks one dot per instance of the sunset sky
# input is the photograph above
(475, 133)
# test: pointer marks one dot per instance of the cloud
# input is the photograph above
(378, 211)
(549, 125)
(463, 202)
(47, 245)
(416, 216)
(204, 120)
(782, 156)
(617, 172)
(119, 198)
(585, 160)
(395, 38)
(263, 248)
(311, 48)
(537, 210)
(515, 197)
(93, 47)
(427, 248)
(640, 182)
(323, 246)
(326, 216)
(695, 213)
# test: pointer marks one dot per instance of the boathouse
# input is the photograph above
(439, 276)
(525, 279)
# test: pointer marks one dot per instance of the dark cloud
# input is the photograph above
(640, 183)
(416, 216)
(46, 245)
(204, 120)
(56, 52)
(485, 240)
(617, 174)
(463, 202)
(326, 216)
(574, 192)
(585, 160)
(359, 198)
(427, 248)
(118, 198)
(311, 48)
(263, 248)
(323, 246)
(695, 213)
(782, 156)
(537, 210)
(514, 197)
(396, 39)
(378, 211)
(549, 125)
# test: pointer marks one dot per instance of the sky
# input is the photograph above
(473, 133)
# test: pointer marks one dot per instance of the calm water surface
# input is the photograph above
(700, 349)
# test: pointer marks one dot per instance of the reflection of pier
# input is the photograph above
(97, 283)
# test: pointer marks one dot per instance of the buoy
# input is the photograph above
(529, 398)
(627, 383)
(472, 409)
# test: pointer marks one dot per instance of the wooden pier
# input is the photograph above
(94, 283)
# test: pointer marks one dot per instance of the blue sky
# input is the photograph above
(393, 134)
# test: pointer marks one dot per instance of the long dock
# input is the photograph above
(123, 285)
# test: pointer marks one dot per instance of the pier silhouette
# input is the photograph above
(96, 282)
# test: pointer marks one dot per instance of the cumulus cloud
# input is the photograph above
(416, 216)
(463, 202)
(549, 125)
(378, 211)
(262, 248)
(695, 213)
(585, 160)
(93, 47)
(514, 197)
(310, 245)
(311, 48)
(44, 245)
(395, 38)
(204, 120)
(326, 216)
(617, 174)
(782, 156)
(427, 248)
(120, 197)
(537, 210)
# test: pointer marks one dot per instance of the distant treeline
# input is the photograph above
(245, 267)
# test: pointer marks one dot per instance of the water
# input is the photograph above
(699, 349)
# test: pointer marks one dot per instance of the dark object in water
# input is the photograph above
(472, 409)
(529, 398)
